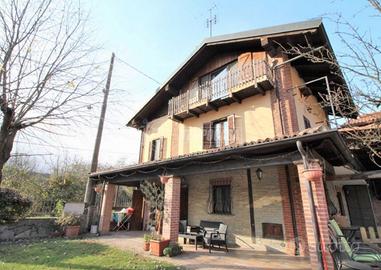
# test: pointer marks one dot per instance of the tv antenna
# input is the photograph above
(211, 20)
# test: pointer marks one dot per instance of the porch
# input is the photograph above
(236, 258)
(282, 211)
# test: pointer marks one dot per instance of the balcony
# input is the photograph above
(229, 86)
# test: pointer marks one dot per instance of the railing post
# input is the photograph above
(187, 100)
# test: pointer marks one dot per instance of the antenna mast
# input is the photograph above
(211, 20)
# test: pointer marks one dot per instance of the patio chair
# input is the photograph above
(340, 257)
(216, 237)
(364, 254)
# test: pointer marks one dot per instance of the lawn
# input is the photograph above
(71, 254)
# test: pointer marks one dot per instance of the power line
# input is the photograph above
(138, 70)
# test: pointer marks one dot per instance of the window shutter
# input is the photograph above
(232, 129)
(245, 67)
(141, 150)
(207, 135)
(150, 151)
(163, 147)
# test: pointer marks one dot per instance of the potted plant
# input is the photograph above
(164, 179)
(147, 239)
(154, 194)
(71, 224)
(157, 245)
(313, 174)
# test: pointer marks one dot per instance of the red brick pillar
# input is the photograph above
(283, 104)
(172, 209)
(106, 212)
(319, 203)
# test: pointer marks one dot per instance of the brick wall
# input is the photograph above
(285, 112)
(172, 209)
(290, 233)
(267, 206)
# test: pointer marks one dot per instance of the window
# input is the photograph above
(272, 231)
(221, 199)
(217, 81)
(155, 149)
(220, 133)
(307, 123)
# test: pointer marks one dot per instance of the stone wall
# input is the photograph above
(30, 228)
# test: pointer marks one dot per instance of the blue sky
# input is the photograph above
(156, 37)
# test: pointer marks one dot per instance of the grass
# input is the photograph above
(71, 254)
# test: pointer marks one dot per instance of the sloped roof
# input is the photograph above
(364, 119)
(226, 40)
(313, 136)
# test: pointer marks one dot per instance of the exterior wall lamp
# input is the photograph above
(259, 174)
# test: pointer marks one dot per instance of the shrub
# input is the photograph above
(69, 220)
(13, 206)
(172, 250)
(58, 209)
(147, 237)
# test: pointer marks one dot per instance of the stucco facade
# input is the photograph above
(254, 116)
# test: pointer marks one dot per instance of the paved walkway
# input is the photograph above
(236, 258)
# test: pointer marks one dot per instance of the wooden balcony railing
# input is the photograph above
(253, 75)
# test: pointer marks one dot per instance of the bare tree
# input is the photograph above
(47, 72)
(358, 63)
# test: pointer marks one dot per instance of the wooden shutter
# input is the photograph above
(245, 67)
(163, 147)
(141, 151)
(207, 135)
(232, 129)
(150, 151)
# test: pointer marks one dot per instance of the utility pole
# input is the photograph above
(89, 195)
(211, 20)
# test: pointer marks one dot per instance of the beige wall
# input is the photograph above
(160, 127)
(254, 118)
(267, 206)
(254, 121)
(307, 106)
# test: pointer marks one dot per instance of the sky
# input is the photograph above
(155, 37)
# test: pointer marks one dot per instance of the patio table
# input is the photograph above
(192, 236)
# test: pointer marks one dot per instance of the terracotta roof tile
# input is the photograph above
(364, 119)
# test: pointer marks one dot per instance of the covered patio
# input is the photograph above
(236, 258)
(297, 229)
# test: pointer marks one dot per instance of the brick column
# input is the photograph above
(106, 212)
(319, 203)
(172, 209)
(285, 105)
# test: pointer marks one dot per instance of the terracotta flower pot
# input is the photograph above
(146, 246)
(98, 189)
(313, 174)
(157, 247)
(72, 231)
(164, 179)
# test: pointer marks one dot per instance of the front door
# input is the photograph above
(359, 205)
